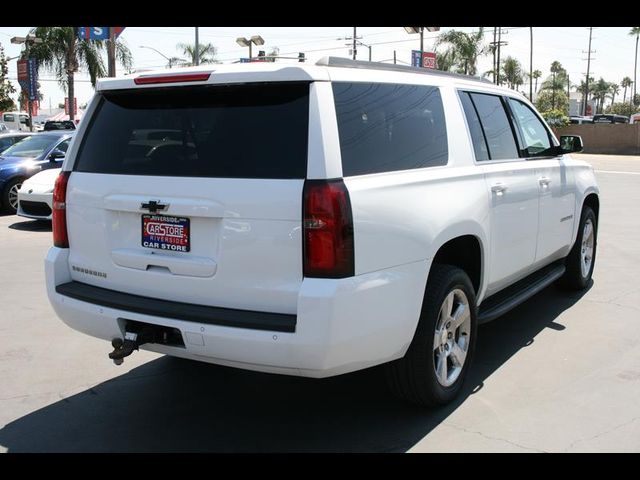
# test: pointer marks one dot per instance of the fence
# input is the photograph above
(611, 138)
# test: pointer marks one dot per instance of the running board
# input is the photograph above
(503, 301)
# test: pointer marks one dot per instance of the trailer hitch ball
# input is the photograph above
(123, 348)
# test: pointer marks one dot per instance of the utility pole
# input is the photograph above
(496, 54)
(354, 43)
(197, 50)
(586, 86)
(495, 32)
(531, 65)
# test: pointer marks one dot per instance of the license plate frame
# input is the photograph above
(165, 232)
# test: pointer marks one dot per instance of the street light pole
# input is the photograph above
(248, 42)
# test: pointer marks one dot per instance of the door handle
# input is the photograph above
(499, 188)
(544, 181)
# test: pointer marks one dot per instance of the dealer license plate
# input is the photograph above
(165, 233)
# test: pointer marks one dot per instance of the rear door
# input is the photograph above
(193, 194)
(511, 185)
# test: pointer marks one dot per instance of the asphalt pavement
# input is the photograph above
(560, 373)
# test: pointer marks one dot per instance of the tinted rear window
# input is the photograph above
(388, 127)
(240, 131)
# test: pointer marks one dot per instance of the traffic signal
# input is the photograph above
(301, 57)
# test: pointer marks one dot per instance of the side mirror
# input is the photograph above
(56, 154)
(571, 144)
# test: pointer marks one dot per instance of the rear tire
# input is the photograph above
(582, 258)
(435, 366)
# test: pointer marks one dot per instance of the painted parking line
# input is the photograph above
(617, 171)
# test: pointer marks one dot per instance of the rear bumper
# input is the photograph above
(341, 325)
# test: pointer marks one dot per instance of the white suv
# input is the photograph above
(314, 220)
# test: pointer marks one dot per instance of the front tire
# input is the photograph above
(582, 258)
(10, 195)
(434, 368)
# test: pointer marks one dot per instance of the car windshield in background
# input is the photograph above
(63, 125)
(238, 131)
(31, 147)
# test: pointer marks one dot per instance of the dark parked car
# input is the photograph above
(610, 118)
(9, 138)
(59, 125)
(40, 151)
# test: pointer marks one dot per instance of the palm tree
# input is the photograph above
(512, 72)
(446, 60)
(556, 82)
(614, 89)
(536, 75)
(206, 50)
(600, 90)
(635, 31)
(626, 83)
(467, 47)
(62, 52)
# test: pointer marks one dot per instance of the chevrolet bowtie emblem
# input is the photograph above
(154, 206)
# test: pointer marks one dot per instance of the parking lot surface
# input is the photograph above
(560, 373)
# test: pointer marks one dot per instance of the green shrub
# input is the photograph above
(555, 118)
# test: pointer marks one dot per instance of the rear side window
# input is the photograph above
(388, 127)
(475, 129)
(8, 117)
(237, 131)
(496, 126)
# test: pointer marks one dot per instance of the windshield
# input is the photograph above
(31, 147)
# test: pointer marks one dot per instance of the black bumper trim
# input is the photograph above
(277, 322)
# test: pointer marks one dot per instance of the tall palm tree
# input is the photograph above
(557, 81)
(626, 83)
(62, 52)
(600, 90)
(207, 52)
(512, 72)
(467, 46)
(536, 75)
(446, 60)
(614, 89)
(635, 31)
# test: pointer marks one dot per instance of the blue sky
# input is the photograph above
(613, 57)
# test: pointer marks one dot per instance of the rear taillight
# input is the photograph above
(327, 229)
(59, 222)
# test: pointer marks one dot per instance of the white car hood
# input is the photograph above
(46, 178)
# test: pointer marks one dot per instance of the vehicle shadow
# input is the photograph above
(32, 226)
(173, 405)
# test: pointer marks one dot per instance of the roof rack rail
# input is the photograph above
(348, 63)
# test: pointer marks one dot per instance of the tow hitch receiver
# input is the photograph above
(124, 348)
(138, 333)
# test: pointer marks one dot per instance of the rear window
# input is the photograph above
(388, 127)
(237, 131)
